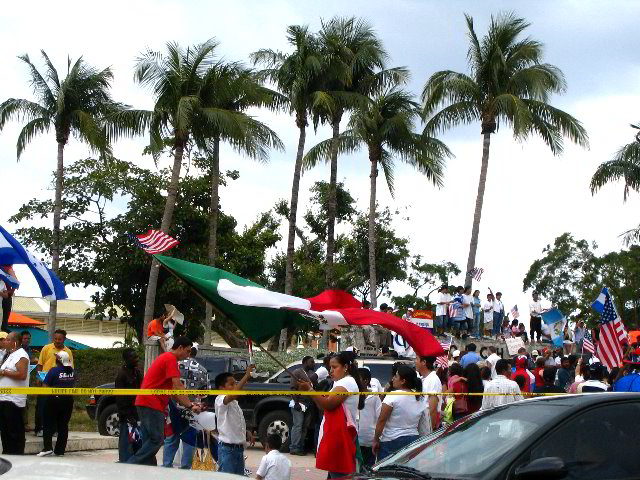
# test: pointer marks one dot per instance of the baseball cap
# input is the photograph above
(4, 334)
(535, 352)
(558, 361)
(64, 359)
(456, 353)
(595, 367)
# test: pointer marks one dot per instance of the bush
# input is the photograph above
(97, 366)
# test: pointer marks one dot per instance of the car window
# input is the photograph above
(496, 431)
(239, 365)
(600, 443)
(284, 376)
(381, 371)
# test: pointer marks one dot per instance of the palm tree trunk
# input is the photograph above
(293, 212)
(55, 246)
(372, 230)
(167, 217)
(473, 247)
(332, 205)
(213, 228)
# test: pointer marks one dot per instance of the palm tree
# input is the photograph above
(353, 68)
(296, 76)
(232, 89)
(78, 105)
(507, 83)
(624, 165)
(182, 83)
(385, 126)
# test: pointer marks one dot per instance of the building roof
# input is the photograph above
(40, 338)
(20, 320)
(39, 307)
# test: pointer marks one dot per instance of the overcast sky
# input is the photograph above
(531, 196)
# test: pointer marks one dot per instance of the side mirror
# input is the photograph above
(548, 468)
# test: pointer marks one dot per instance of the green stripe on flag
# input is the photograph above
(258, 324)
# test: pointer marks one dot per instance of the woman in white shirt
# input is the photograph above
(402, 417)
(344, 372)
(14, 372)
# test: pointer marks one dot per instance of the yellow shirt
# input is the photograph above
(48, 356)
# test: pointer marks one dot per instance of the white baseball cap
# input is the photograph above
(456, 353)
(534, 352)
(63, 358)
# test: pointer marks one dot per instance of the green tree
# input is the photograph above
(79, 105)
(353, 69)
(97, 252)
(183, 83)
(423, 275)
(296, 76)
(385, 126)
(507, 83)
(625, 165)
(232, 89)
(562, 273)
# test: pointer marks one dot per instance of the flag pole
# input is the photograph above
(218, 312)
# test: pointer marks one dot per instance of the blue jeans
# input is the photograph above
(152, 433)
(392, 446)
(297, 442)
(441, 321)
(230, 458)
(497, 322)
(477, 322)
(171, 445)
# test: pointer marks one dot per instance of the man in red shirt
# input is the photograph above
(163, 374)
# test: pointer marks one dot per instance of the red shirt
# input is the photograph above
(159, 376)
(538, 374)
(460, 386)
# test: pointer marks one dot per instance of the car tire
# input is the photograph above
(278, 421)
(109, 422)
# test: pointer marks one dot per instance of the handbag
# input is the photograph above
(202, 459)
(447, 413)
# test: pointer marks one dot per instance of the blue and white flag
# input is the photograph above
(598, 304)
(12, 252)
(556, 321)
(9, 280)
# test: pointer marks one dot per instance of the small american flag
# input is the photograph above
(476, 273)
(443, 360)
(587, 343)
(609, 346)
(514, 312)
(154, 241)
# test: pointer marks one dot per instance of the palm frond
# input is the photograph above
(21, 109)
(39, 84)
(52, 73)
(465, 112)
(447, 86)
(514, 111)
(537, 82)
(386, 163)
(566, 125)
(625, 166)
(321, 152)
(30, 131)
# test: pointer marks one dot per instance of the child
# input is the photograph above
(368, 418)
(232, 430)
(274, 465)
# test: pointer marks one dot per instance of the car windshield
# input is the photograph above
(473, 446)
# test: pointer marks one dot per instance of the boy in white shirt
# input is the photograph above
(274, 465)
(487, 309)
(441, 309)
(232, 429)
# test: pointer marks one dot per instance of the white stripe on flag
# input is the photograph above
(251, 296)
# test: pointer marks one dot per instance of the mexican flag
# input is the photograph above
(260, 314)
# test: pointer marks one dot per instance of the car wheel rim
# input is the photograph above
(279, 427)
(112, 425)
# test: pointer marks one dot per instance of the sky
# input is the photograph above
(531, 196)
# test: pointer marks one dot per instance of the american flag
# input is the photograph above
(514, 312)
(476, 273)
(609, 346)
(443, 360)
(154, 241)
(587, 343)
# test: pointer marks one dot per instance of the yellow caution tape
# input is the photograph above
(287, 393)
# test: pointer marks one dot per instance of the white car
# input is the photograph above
(29, 467)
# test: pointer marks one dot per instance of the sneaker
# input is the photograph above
(45, 453)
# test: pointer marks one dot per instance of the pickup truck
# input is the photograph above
(264, 414)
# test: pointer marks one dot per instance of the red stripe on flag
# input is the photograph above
(156, 241)
(610, 350)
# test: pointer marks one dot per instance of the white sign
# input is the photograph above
(514, 344)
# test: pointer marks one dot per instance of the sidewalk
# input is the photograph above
(77, 442)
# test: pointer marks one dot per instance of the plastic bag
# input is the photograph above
(447, 413)
(202, 459)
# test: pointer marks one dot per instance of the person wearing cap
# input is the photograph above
(455, 357)
(595, 383)
(14, 372)
(46, 362)
(58, 408)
